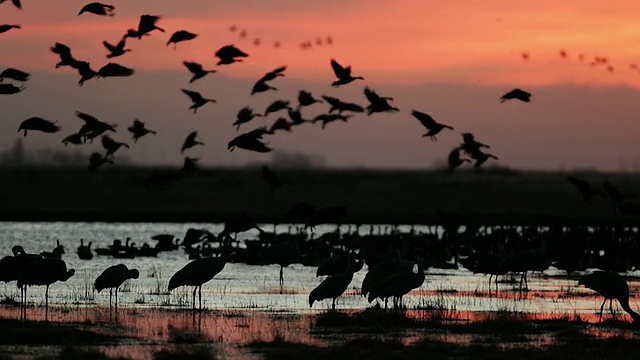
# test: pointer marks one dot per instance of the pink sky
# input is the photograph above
(410, 50)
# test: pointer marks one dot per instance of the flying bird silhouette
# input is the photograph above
(96, 160)
(197, 70)
(66, 59)
(377, 103)
(10, 89)
(76, 139)
(305, 99)
(14, 74)
(454, 160)
(114, 70)
(328, 118)
(179, 36)
(516, 94)
(38, 124)
(196, 99)
(343, 74)
(296, 117)
(6, 27)
(139, 130)
(274, 74)
(93, 127)
(280, 124)
(15, 3)
(340, 106)
(245, 115)
(111, 145)
(277, 105)
(146, 24)
(261, 86)
(428, 122)
(116, 50)
(251, 141)
(190, 141)
(229, 54)
(85, 71)
(98, 9)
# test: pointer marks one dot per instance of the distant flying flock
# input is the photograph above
(468, 151)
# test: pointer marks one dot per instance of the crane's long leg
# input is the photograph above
(200, 296)
(194, 298)
(281, 277)
(110, 296)
(116, 299)
(602, 309)
(333, 305)
(46, 304)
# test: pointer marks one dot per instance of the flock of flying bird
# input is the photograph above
(253, 140)
(397, 275)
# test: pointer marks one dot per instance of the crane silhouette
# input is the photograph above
(332, 287)
(276, 106)
(93, 127)
(64, 52)
(146, 24)
(378, 103)
(229, 54)
(38, 124)
(197, 70)
(280, 124)
(251, 141)
(9, 89)
(179, 36)
(98, 9)
(454, 160)
(305, 98)
(245, 115)
(397, 285)
(611, 286)
(45, 272)
(96, 160)
(15, 267)
(329, 118)
(116, 50)
(14, 74)
(199, 271)
(112, 277)
(111, 145)
(115, 70)
(428, 122)
(197, 99)
(139, 130)
(6, 27)
(190, 141)
(343, 74)
(340, 106)
(338, 264)
(516, 94)
(15, 3)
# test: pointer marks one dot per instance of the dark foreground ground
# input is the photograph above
(392, 197)
(370, 334)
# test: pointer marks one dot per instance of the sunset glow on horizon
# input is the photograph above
(408, 42)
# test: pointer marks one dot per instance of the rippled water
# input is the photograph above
(241, 286)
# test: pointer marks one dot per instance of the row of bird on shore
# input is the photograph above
(391, 277)
(253, 140)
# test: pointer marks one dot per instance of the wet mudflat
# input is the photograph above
(146, 333)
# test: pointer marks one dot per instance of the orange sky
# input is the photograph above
(452, 60)
(385, 41)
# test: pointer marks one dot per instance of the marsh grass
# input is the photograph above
(15, 332)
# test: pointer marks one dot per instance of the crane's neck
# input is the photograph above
(624, 302)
